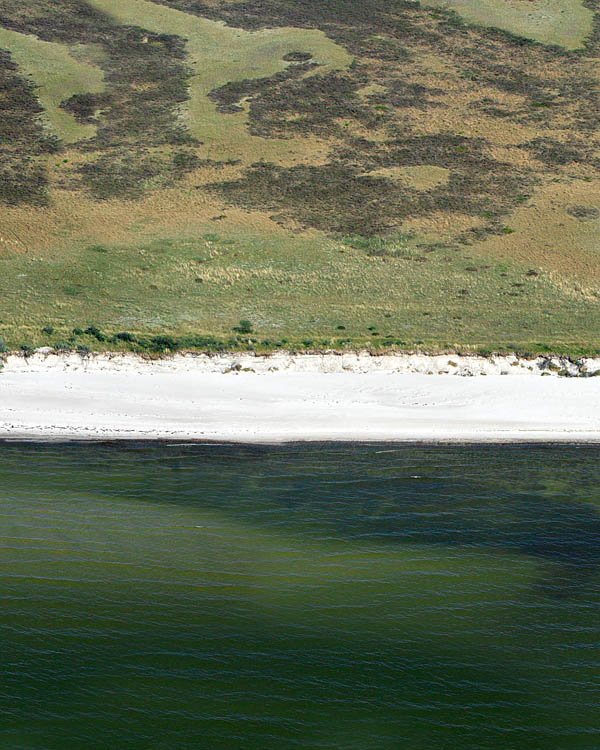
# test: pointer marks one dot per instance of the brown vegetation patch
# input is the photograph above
(495, 117)
(584, 213)
(498, 113)
(229, 95)
(23, 141)
(146, 81)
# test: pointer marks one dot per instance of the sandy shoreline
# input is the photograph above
(287, 397)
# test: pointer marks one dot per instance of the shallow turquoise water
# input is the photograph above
(172, 596)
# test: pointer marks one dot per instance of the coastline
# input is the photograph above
(287, 397)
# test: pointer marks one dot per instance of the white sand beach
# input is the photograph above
(286, 397)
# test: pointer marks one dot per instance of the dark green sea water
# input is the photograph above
(165, 597)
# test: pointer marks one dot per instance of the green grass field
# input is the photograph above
(218, 55)
(344, 174)
(307, 293)
(57, 74)
(566, 23)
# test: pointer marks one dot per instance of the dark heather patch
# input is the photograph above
(146, 78)
(400, 94)
(557, 153)
(84, 106)
(506, 76)
(229, 95)
(584, 213)
(311, 105)
(518, 80)
(315, 195)
(342, 197)
(338, 197)
(258, 14)
(297, 57)
(592, 43)
(23, 141)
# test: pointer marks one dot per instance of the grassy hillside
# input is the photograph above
(333, 173)
(59, 73)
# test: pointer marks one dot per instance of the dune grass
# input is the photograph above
(57, 75)
(304, 292)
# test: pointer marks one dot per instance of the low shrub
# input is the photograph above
(125, 336)
(95, 332)
(244, 326)
(160, 343)
(584, 213)
(201, 342)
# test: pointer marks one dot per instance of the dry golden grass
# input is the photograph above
(77, 219)
(423, 177)
(441, 226)
(547, 237)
